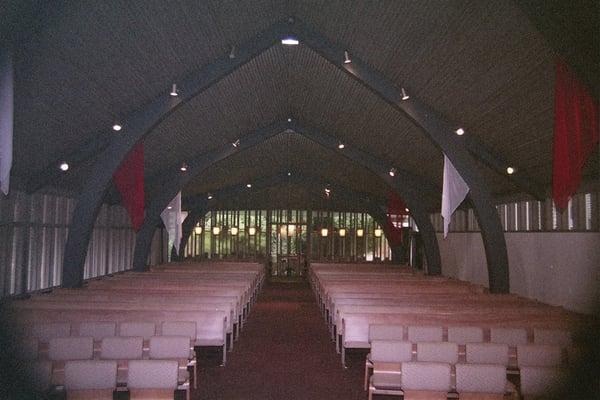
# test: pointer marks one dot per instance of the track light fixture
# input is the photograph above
(117, 127)
(460, 131)
(174, 90)
(392, 172)
(347, 59)
(290, 40)
(404, 95)
(64, 166)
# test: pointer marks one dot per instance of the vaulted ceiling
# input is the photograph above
(82, 66)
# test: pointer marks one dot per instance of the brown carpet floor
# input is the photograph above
(284, 352)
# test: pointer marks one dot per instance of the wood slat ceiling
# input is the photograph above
(481, 64)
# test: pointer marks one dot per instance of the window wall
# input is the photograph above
(581, 215)
(33, 233)
(273, 234)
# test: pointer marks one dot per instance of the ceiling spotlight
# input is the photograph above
(460, 131)
(184, 167)
(169, 207)
(64, 166)
(248, 185)
(290, 41)
(289, 173)
(406, 209)
(392, 172)
(341, 145)
(236, 143)
(117, 127)
(327, 191)
(232, 53)
(210, 196)
(289, 120)
(510, 170)
(347, 59)
(174, 90)
(404, 95)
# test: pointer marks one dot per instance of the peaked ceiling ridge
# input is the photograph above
(212, 73)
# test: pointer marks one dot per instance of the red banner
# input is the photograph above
(397, 208)
(129, 180)
(575, 133)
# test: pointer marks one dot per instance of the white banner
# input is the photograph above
(453, 193)
(173, 217)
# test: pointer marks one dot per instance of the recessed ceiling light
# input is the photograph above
(289, 120)
(64, 166)
(460, 131)
(510, 170)
(117, 127)
(290, 41)
(347, 59)
(174, 90)
(404, 95)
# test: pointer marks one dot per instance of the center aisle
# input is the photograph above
(284, 352)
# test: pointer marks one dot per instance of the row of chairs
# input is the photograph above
(97, 379)
(99, 330)
(468, 381)
(469, 334)
(387, 355)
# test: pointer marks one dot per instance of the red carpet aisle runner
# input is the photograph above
(284, 353)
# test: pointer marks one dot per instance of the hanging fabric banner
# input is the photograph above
(575, 133)
(173, 218)
(396, 208)
(129, 180)
(6, 119)
(453, 193)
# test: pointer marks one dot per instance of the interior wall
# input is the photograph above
(558, 268)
